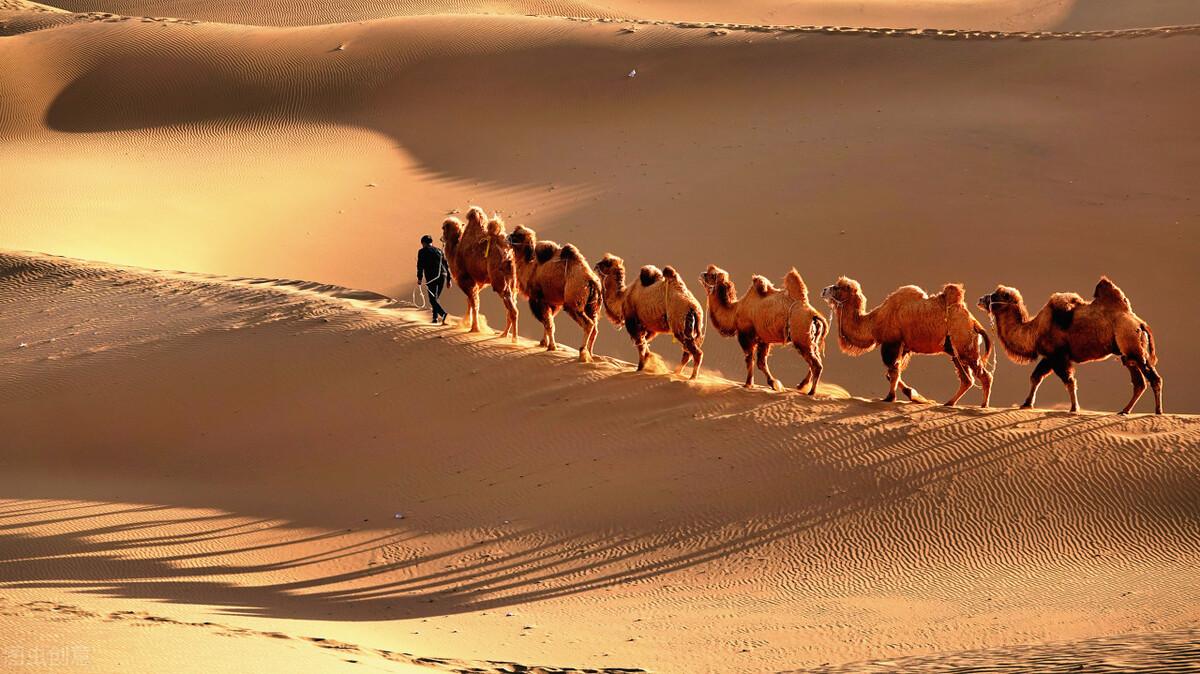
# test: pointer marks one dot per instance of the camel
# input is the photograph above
(657, 302)
(478, 255)
(557, 278)
(1069, 330)
(910, 321)
(766, 315)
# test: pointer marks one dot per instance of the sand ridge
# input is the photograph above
(772, 527)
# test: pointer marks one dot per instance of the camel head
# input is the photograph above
(476, 216)
(715, 276)
(452, 229)
(845, 290)
(495, 226)
(1002, 296)
(522, 238)
(611, 265)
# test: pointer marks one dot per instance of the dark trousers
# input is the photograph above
(435, 289)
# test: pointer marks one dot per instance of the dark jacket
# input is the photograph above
(431, 264)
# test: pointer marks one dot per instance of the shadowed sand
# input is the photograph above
(205, 450)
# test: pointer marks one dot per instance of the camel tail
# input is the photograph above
(795, 286)
(987, 340)
(1153, 356)
(693, 324)
(820, 330)
(591, 308)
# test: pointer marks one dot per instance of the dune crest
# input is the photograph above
(385, 472)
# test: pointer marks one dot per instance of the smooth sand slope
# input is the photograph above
(222, 462)
(1035, 161)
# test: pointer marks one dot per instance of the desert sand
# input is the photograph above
(216, 468)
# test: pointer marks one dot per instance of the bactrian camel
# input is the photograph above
(656, 302)
(1069, 330)
(766, 315)
(910, 321)
(557, 277)
(478, 255)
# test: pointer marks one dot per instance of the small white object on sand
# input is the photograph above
(632, 73)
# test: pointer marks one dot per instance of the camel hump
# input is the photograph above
(1107, 291)
(954, 293)
(545, 250)
(669, 273)
(761, 285)
(795, 286)
(650, 275)
(1065, 302)
(495, 226)
(1062, 308)
(570, 253)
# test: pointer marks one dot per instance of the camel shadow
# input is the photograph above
(193, 566)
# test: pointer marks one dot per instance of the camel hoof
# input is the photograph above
(888, 399)
(950, 403)
(1026, 406)
(552, 347)
(775, 385)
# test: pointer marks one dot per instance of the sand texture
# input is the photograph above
(214, 468)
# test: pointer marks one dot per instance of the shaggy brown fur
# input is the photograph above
(1069, 330)
(908, 322)
(766, 315)
(657, 302)
(557, 277)
(478, 255)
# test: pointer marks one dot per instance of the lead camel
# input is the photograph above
(1069, 330)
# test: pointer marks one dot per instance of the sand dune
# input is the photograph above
(214, 469)
(895, 158)
(966, 14)
(238, 451)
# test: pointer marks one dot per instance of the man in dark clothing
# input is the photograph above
(433, 272)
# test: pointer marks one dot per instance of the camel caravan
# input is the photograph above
(552, 278)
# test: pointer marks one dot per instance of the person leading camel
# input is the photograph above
(1069, 330)
(910, 321)
(764, 316)
(557, 277)
(656, 302)
(479, 255)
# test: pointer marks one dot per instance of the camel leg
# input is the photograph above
(891, 358)
(814, 368)
(749, 346)
(697, 356)
(910, 392)
(965, 382)
(591, 342)
(634, 328)
(764, 352)
(542, 313)
(1139, 383)
(473, 308)
(510, 308)
(683, 361)
(985, 381)
(1156, 384)
(1065, 370)
(1040, 371)
(586, 325)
